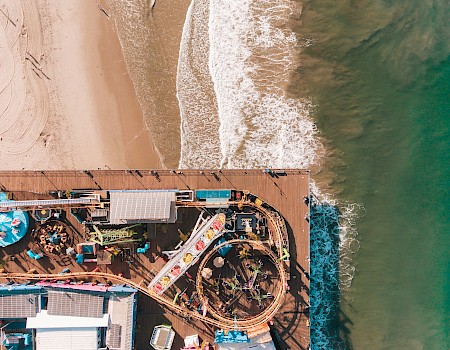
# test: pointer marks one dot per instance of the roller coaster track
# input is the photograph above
(183, 312)
(219, 321)
(268, 313)
(275, 219)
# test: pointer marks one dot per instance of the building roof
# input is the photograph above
(141, 206)
(248, 346)
(114, 336)
(88, 287)
(122, 312)
(18, 306)
(44, 320)
(67, 339)
(10, 289)
(74, 304)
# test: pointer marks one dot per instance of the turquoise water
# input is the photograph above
(379, 74)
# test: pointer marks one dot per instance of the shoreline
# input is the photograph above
(150, 40)
(134, 138)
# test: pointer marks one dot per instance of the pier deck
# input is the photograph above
(285, 192)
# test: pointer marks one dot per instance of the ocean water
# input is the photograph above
(378, 74)
(359, 92)
(373, 76)
(236, 58)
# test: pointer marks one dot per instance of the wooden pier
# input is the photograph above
(284, 190)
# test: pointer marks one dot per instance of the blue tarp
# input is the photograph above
(225, 249)
(79, 258)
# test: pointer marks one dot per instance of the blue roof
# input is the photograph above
(121, 289)
(10, 289)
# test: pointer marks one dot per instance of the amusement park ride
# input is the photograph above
(186, 254)
(231, 270)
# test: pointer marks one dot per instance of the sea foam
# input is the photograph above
(200, 141)
(249, 118)
(233, 82)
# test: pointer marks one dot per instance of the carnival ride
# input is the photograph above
(114, 236)
(52, 237)
(13, 227)
(243, 290)
(207, 232)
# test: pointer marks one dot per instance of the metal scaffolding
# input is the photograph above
(114, 236)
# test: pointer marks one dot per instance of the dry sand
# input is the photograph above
(66, 99)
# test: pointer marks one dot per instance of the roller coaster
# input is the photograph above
(185, 313)
(278, 239)
(278, 299)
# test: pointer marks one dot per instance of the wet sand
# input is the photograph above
(150, 38)
(66, 99)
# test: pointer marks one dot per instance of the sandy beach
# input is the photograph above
(66, 98)
(150, 38)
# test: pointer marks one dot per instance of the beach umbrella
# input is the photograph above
(219, 262)
(207, 273)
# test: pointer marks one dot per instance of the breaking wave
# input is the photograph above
(235, 64)
(240, 96)
(333, 241)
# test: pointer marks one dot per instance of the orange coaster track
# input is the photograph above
(183, 312)
(219, 321)
(268, 313)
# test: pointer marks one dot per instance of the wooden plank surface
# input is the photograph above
(285, 192)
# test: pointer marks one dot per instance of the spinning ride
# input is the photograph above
(245, 286)
(13, 227)
(53, 237)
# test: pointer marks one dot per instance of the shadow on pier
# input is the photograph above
(329, 325)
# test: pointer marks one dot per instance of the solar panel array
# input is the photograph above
(74, 304)
(114, 335)
(18, 306)
(146, 205)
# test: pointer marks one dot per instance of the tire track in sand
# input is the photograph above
(24, 103)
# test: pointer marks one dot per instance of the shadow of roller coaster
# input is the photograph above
(217, 320)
